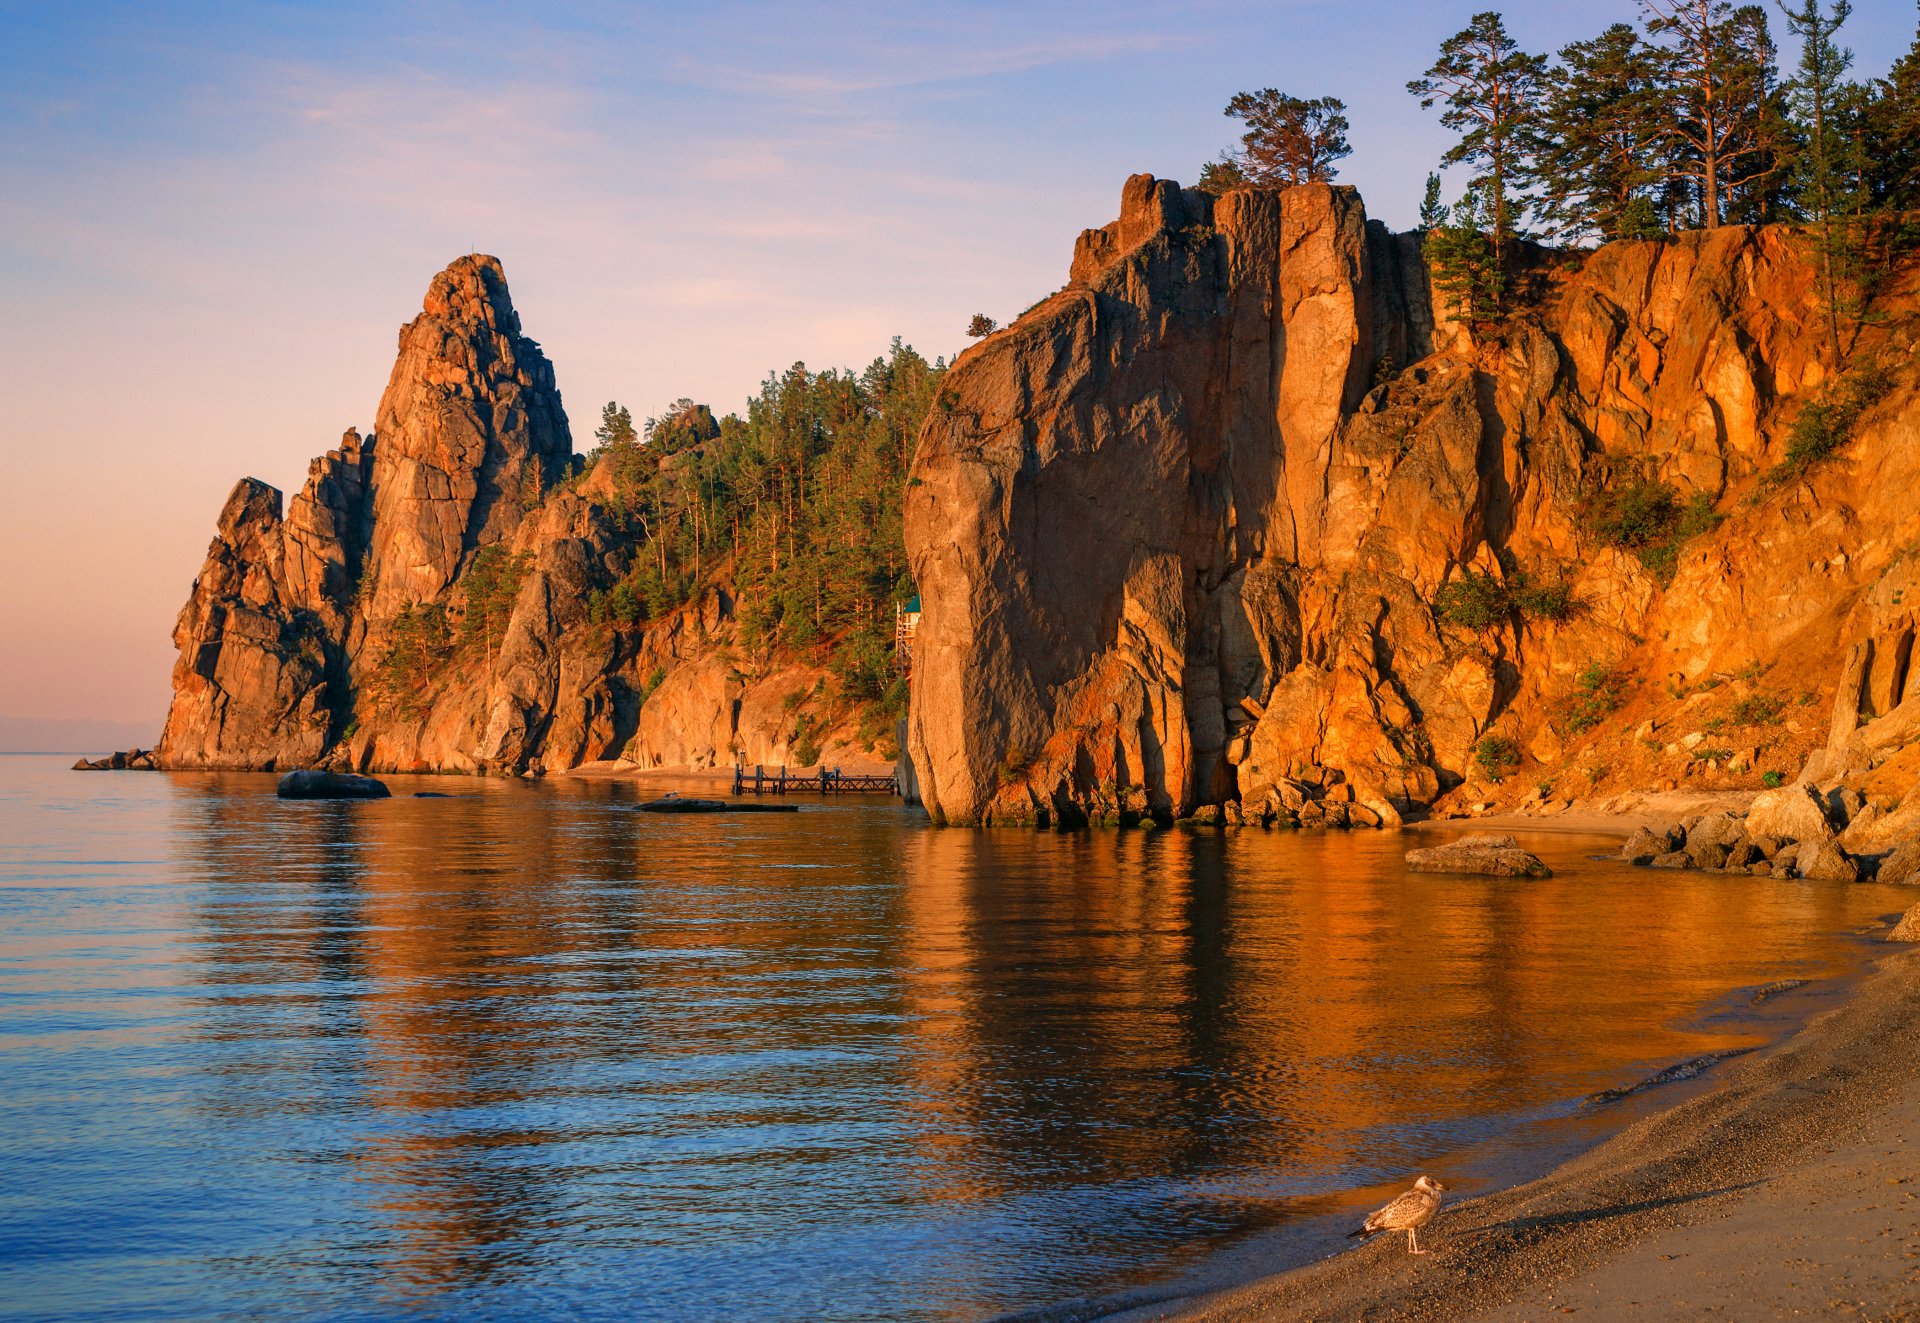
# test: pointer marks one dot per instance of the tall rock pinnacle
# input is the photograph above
(469, 432)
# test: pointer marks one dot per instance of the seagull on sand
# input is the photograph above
(1408, 1213)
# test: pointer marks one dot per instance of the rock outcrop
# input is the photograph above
(1481, 854)
(333, 634)
(1184, 531)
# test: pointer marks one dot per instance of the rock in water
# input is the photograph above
(679, 804)
(1493, 856)
(311, 783)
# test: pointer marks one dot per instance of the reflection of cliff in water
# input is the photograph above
(525, 1027)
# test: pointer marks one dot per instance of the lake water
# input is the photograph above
(522, 1052)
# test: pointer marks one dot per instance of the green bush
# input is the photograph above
(1758, 709)
(1496, 756)
(489, 589)
(1705, 754)
(1773, 780)
(1480, 601)
(1547, 601)
(1473, 601)
(1826, 423)
(1652, 521)
(654, 680)
(419, 645)
(1597, 694)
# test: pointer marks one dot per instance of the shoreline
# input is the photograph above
(1666, 1217)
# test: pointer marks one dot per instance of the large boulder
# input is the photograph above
(1902, 867)
(1716, 829)
(1649, 843)
(1482, 853)
(311, 783)
(1798, 812)
(1824, 861)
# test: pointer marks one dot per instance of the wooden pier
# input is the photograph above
(826, 781)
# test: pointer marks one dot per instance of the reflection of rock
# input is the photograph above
(309, 783)
(1493, 856)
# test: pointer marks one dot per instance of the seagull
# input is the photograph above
(1408, 1213)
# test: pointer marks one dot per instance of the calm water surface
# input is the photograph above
(524, 1052)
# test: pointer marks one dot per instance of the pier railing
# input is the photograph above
(825, 781)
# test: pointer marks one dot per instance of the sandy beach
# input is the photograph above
(1790, 1190)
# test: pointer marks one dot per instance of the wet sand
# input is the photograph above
(1792, 1189)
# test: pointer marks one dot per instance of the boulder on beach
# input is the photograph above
(1491, 856)
(1908, 929)
(1824, 861)
(1649, 843)
(1797, 812)
(311, 783)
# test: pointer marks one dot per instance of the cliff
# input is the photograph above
(1241, 518)
(424, 602)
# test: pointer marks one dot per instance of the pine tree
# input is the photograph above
(1888, 137)
(1765, 195)
(1492, 90)
(616, 426)
(1289, 140)
(1221, 176)
(1433, 211)
(1711, 80)
(1598, 132)
(1827, 196)
(1464, 262)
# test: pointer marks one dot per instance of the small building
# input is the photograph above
(906, 623)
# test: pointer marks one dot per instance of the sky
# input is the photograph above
(215, 217)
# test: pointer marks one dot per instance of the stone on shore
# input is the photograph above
(1797, 812)
(1825, 861)
(1716, 829)
(1649, 843)
(1479, 853)
(1908, 929)
(1902, 867)
(310, 783)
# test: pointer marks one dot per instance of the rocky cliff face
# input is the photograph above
(290, 643)
(1181, 531)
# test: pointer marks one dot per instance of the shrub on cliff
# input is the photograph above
(1597, 694)
(1497, 757)
(1473, 601)
(1827, 422)
(1216, 177)
(1652, 521)
(1481, 601)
